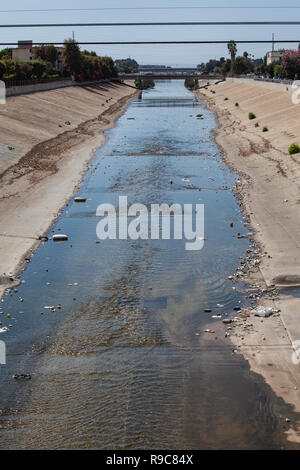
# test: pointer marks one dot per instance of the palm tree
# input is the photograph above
(232, 50)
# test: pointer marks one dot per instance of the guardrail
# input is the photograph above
(284, 81)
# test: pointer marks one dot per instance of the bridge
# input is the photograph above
(168, 76)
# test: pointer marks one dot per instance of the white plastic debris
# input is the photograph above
(4, 329)
(265, 311)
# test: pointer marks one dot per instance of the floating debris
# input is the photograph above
(59, 237)
(79, 199)
(22, 376)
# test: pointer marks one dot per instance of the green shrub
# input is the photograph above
(265, 129)
(257, 124)
(236, 104)
(38, 68)
(294, 148)
(10, 77)
(251, 116)
(190, 83)
(226, 99)
(2, 69)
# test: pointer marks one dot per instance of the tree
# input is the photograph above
(126, 65)
(232, 51)
(38, 68)
(2, 69)
(72, 56)
(279, 71)
(226, 67)
(6, 54)
(260, 69)
(47, 54)
(243, 65)
(291, 63)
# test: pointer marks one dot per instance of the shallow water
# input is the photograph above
(124, 364)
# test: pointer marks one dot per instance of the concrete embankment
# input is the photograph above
(46, 140)
(270, 191)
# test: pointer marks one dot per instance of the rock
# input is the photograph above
(207, 310)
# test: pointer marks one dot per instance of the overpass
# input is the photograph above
(167, 76)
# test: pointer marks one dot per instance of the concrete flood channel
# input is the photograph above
(125, 363)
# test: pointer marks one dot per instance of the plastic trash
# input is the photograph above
(265, 311)
(80, 199)
(60, 237)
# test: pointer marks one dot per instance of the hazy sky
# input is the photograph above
(166, 10)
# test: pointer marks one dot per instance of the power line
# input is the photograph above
(269, 41)
(174, 23)
(155, 8)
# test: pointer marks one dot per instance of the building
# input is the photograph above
(25, 52)
(274, 56)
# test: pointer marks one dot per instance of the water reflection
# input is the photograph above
(125, 363)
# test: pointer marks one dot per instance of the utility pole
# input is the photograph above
(273, 42)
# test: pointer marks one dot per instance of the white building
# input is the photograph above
(25, 52)
(274, 56)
